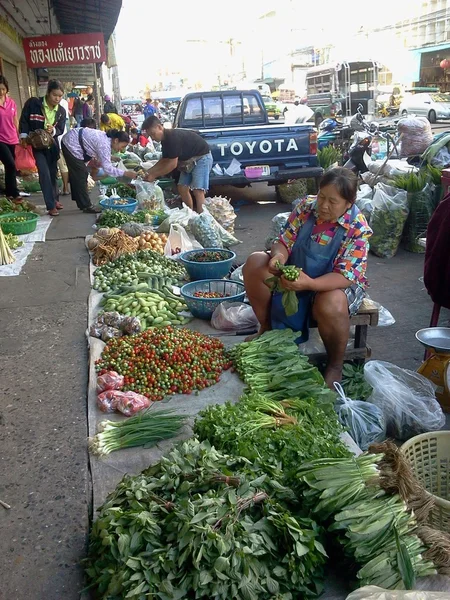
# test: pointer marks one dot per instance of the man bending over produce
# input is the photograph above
(316, 268)
(186, 151)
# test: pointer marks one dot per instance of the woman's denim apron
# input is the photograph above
(315, 260)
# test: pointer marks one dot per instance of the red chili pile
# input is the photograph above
(164, 360)
(210, 295)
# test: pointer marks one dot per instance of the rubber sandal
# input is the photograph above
(53, 212)
(92, 210)
(59, 206)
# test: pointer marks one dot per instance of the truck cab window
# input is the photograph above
(193, 110)
(213, 107)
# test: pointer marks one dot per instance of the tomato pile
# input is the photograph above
(165, 361)
(210, 295)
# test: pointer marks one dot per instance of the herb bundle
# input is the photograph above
(200, 524)
(278, 436)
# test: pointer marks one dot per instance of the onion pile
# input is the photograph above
(152, 241)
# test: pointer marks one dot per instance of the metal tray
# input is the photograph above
(437, 338)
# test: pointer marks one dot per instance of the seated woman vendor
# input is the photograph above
(328, 240)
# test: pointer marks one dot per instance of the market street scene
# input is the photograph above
(224, 301)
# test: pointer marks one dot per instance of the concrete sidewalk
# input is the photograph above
(44, 472)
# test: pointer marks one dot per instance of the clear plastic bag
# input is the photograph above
(234, 316)
(128, 403)
(387, 220)
(180, 216)
(421, 207)
(205, 229)
(227, 238)
(179, 241)
(149, 195)
(373, 592)
(406, 398)
(109, 381)
(106, 401)
(277, 223)
(221, 209)
(364, 421)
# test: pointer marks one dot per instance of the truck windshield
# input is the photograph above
(227, 109)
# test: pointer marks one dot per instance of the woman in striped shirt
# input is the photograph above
(328, 240)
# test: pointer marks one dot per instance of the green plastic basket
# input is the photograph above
(22, 228)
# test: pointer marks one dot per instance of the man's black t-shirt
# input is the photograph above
(183, 144)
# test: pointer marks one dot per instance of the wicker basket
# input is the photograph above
(429, 456)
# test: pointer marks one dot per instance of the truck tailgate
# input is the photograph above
(279, 146)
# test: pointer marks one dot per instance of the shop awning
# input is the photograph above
(86, 16)
(431, 49)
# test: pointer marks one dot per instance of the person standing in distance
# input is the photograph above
(8, 140)
(186, 151)
(46, 113)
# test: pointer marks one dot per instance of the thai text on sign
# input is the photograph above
(58, 50)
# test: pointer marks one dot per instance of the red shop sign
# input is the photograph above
(54, 50)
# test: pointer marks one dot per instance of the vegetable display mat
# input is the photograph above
(107, 471)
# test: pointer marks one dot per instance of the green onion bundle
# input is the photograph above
(144, 429)
(376, 530)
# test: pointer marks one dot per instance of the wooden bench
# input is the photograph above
(367, 315)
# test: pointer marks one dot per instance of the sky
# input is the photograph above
(149, 38)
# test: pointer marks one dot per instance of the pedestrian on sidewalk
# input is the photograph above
(81, 146)
(8, 139)
(46, 117)
(77, 110)
(62, 162)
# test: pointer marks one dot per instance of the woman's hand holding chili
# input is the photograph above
(303, 283)
(272, 266)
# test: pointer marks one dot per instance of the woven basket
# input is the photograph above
(429, 457)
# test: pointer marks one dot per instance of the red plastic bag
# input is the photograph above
(24, 159)
(109, 381)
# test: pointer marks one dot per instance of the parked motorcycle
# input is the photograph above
(361, 147)
(334, 133)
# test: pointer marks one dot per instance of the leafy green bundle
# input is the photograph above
(376, 530)
(273, 366)
(200, 524)
(278, 436)
(289, 298)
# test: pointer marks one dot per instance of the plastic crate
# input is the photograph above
(429, 457)
(22, 228)
(203, 308)
(207, 270)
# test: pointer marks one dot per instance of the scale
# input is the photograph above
(436, 366)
